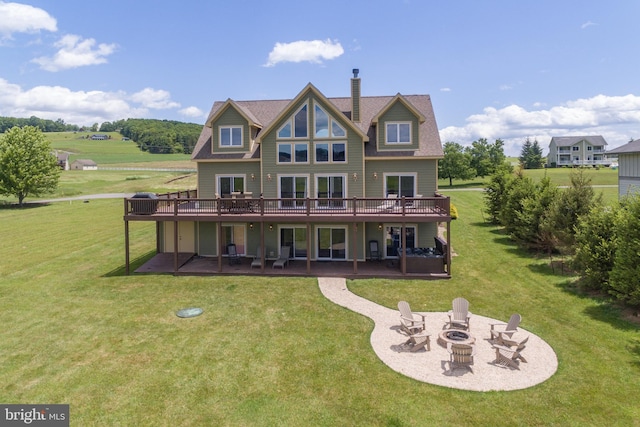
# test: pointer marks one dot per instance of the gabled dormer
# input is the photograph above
(397, 126)
(233, 129)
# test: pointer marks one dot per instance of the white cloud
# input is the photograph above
(23, 18)
(77, 107)
(445, 89)
(74, 51)
(313, 51)
(194, 112)
(587, 24)
(616, 118)
(157, 99)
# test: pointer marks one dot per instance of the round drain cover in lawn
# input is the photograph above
(189, 312)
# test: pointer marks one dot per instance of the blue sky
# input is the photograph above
(494, 69)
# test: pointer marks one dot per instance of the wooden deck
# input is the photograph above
(192, 265)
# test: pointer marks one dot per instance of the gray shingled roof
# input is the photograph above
(568, 141)
(266, 111)
(630, 147)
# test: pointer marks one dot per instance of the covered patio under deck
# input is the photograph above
(356, 211)
(193, 265)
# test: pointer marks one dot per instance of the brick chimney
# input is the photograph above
(355, 96)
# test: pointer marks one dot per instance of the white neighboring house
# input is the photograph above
(84, 165)
(628, 168)
(577, 151)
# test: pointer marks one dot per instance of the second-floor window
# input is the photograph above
(575, 148)
(398, 133)
(293, 152)
(402, 185)
(331, 152)
(231, 136)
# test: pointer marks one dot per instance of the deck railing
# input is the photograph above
(184, 203)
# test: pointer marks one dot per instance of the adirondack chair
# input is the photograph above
(461, 355)
(509, 356)
(410, 322)
(501, 330)
(283, 258)
(460, 315)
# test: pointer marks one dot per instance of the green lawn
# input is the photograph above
(271, 351)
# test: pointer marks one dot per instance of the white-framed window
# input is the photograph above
(228, 184)
(293, 152)
(575, 148)
(330, 152)
(402, 184)
(297, 126)
(325, 126)
(398, 133)
(230, 136)
(589, 148)
(294, 188)
(331, 187)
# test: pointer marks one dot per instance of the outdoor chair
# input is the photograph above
(390, 203)
(460, 315)
(410, 322)
(374, 251)
(501, 330)
(232, 254)
(418, 341)
(258, 260)
(283, 258)
(461, 355)
(509, 356)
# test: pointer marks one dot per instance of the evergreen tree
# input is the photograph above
(531, 155)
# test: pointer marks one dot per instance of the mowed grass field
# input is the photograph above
(274, 351)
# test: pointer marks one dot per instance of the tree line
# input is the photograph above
(483, 159)
(157, 136)
(44, 125)
(601, 241)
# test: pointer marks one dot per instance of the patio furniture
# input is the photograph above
(374, 251)
(418, 341)
(232, 254)
(460, 315)
(455, 336)
(283, 258)
(390, 203)
(508, 355)
(410, 322)
(258, 260)
(461, 355)
(501, 330)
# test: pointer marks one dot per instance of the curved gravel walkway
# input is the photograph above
(433, 366)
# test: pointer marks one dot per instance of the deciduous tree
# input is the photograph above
(28, 166)
(456, 163)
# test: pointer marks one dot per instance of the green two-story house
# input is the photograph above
(342, 180)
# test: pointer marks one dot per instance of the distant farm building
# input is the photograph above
(63, 160)
(99, 137)
(84, 165)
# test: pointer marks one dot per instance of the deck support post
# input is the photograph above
(403, 249)
(175, 247)
(263, 250)
(308, 247)
(355, 247)
(219, 232)
(126, 247)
